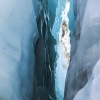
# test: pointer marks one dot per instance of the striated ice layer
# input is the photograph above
(83, 76)
(17, 34)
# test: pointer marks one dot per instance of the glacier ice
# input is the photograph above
(27, 52)
(18, 31)
(44, 81)
(83, 72)
(28, 49)
(31, 50)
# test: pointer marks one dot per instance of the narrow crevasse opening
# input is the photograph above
(63, 48)
(62, 34)
(35, 53)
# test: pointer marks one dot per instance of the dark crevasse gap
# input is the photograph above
(27, 48)
(45, 55)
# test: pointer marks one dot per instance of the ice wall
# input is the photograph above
(17, 34)
(82, 81)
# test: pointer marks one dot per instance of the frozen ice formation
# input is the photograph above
(82, 81)
(27, 49)
(32, 64)
(18, 30)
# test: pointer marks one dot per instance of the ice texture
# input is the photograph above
(82, 81)
(18, 31)
(27, 54)
(45, 55)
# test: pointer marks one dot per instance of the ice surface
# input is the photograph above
(83, 74)
(71, 16)
(17, 33)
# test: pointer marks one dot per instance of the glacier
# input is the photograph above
(37, 62)
(45, 55)
(83, 72)
(16, 37)
(63, 50)
(23, 49)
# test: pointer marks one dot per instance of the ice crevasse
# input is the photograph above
(28, 56)
(22, 24)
